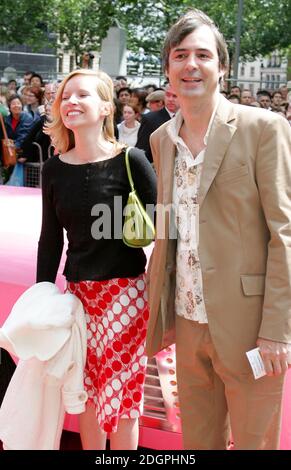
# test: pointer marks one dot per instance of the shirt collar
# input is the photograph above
(176, 124)
(170, 113)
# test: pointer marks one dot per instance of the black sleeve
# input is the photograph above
(143, 137)
(29, 150)
(144, 177)
(50, 245)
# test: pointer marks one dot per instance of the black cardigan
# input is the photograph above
(69, 194)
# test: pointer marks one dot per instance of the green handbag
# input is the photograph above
(138, 228)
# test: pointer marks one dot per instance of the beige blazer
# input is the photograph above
(244, 234)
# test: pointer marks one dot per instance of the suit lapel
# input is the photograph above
(219, 139)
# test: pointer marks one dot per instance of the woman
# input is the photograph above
(128, 128)
(18, 125)
(100, 269)
(34, 98)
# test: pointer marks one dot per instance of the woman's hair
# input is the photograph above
(37, 92)
(62, 137)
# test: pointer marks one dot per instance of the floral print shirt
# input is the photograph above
(189, 301)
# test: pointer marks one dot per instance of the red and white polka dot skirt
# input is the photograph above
(116, 316)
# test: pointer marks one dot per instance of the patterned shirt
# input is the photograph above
(189, 301)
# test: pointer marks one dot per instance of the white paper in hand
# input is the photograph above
(256, 362)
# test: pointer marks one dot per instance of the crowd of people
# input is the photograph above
(137, 112)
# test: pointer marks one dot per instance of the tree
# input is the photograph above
(26, 22)
(265, 25)
(81, 25)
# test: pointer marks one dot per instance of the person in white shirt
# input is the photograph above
(128, 128)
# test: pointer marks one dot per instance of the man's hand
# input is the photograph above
(274, 355)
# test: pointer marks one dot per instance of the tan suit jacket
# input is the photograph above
(244, 234)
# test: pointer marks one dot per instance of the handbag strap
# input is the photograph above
(128, 168)
(3, 127)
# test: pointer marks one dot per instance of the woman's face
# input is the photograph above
(15, 107)
(31, 98)
(81, 104)
(128, 114)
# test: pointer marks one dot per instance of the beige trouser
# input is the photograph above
(208, 391)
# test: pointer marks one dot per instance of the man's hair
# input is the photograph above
(263, 93)
(185, 25)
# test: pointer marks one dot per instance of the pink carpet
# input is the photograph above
(20, 210)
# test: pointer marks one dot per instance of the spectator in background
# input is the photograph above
(246, 97)
(277, 101)
(36, 134)
(18, 125)
(128, 128)
(150, 87)
(36, 81)
(264, 99)
(12, 87)
(34, 98)
(151, 121)
(235, 90)
(124, 95)
(50, 90)
(122, 80)
(119, 82)
(156, 100)
(234, 99)
(26, 81)
(138, 100)
(3, 104)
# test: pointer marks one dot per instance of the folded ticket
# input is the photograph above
(256, 362)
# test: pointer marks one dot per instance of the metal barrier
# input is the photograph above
(32, 170)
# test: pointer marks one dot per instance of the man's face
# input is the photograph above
(235, 90)
(246, 98)
(124, 97)
(26, 79)
(194, 70)
(156, 105)
(277, 99)
(171, 99)
(264, 101)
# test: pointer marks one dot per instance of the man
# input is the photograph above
(224, 284)
(151, 121)
(235, 90)
(156, 100)
(264, 99)
(246, 97)
(124, 95)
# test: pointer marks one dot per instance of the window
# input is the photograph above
(267, 81)
(252, 71)
(251, 88)
(242, 71)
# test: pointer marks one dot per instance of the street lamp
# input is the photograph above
(237, 40)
